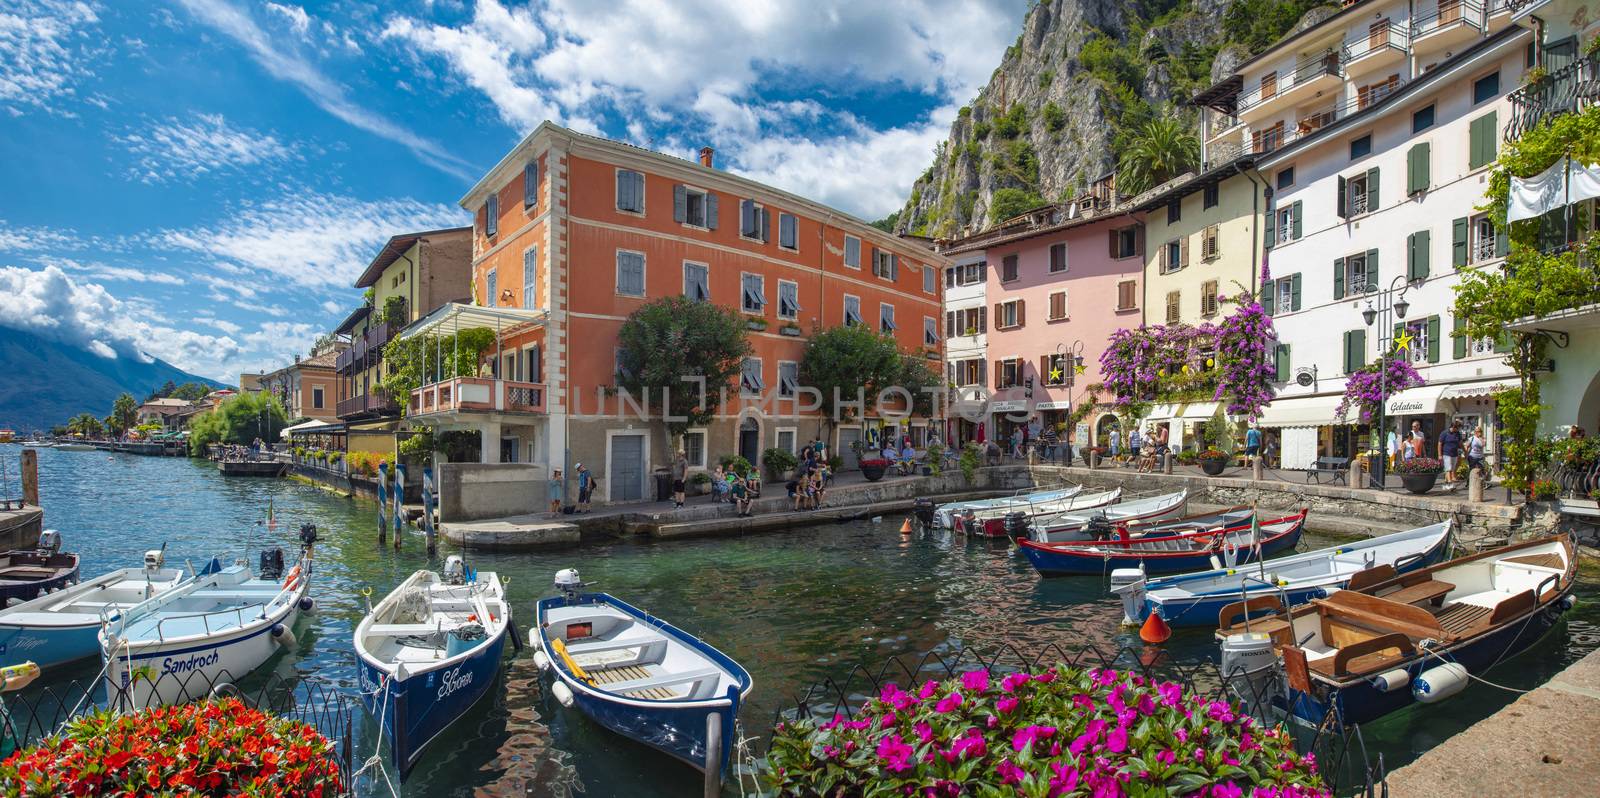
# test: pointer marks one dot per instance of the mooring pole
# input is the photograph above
(427, 511)
(383, 499)
(713, 786)
(399, 500)
(30, 477)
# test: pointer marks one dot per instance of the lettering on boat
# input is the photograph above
(24, 643)
(189, 664)
(454, 680)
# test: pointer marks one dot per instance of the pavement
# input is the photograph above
(1542, 745)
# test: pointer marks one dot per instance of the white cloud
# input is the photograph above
(125, 274)
(177, 150)
(298, 19)
(32, 239)
(332, 307)
(284, 62)
(304, 239)
(43, 44)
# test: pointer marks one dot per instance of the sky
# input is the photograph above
(203, 180)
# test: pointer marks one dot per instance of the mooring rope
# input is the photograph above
(376, 760)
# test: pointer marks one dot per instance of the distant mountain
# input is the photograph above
(45, 382)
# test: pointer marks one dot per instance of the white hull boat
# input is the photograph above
(65, 626)
(945, 515)
(1073, 525)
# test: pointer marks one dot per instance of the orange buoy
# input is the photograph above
(1155, 630)
(905, 527)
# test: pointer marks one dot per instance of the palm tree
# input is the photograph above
(84, 424)
(124, 413)
(1162, 149)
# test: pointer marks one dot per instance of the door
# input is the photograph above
(508, 450)
(848, 436)
(627, 468)
(750, 440)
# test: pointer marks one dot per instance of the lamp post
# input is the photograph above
(1071, 356)
(1392, 304)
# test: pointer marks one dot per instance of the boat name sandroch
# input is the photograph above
(188, 664)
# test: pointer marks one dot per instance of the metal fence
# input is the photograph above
(10, 481)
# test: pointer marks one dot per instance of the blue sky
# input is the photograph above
(202, 180)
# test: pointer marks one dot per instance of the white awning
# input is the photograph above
(1302, 411)
(308, 426)
(1163, 412)
(448, 319)
(1468, 390)
(1416, 401)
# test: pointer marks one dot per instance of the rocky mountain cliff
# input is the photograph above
(1081, 80)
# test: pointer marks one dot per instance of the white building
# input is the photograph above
(966, 330)
(1375, 131)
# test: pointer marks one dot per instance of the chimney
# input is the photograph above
(705, 156)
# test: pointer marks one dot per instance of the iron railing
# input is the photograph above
(1448, 14)
(1307, 70)
(1391, 37)
(1568, 90)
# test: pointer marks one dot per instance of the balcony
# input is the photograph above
(1268, 139)
(366, 405)
(379, 334)
(1447, 25)
(1568, 90)
(477, 395)
(345, 362)
(1385, 45)
(1292, 87)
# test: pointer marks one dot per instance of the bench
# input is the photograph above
(601, 646)
(642, 688)
(1431, 591)
(1337, 467)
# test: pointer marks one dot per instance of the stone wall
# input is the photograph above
(472, 491)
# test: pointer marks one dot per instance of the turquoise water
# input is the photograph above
(793, 607)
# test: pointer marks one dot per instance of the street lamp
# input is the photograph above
(1391, 300)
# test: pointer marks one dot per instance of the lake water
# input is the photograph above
(793, 607)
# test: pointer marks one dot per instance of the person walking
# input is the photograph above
(585, 488)
(1134, 443)
(558, 488)
(1475, 452)
(680, 472)
(1050, 441)
(1252, 443)
(1391, 448)
(1449, 450)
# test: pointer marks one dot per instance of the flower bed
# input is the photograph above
(210, 748)
(1418, 465)
(1060, 732)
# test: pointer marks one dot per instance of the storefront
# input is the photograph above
(1301, 429)
(1054, 414)
(1007, 416)
(1435, 406)
(1184, 422)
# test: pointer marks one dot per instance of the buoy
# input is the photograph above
(307, 604)
(541, 661)
(562, 693)
(905, 527)
(283, 635)
(1390, 681)
(1155, 630)
(1438, 683)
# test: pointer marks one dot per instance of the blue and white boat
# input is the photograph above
(428, 652)
(216, 628)
(64, 626)
(945, 515)
(1197, 599)
(26, 574)
(640, 676)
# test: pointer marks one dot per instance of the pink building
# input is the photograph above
(1055, 294)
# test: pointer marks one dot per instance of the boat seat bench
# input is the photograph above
(1432, 591)
(600, 646)
(404, 629)
(634, 687)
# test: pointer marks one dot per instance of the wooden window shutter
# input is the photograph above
(491, 216)
(1372, 190)
(1022, 313)
(680, 203)
(1172, 307)
(983, 373)
(983, 319)
(1269, 298)
(1418, 168)
(1269, 238)
(1372, 272)
(1280, 364)
(1344, 202)
(1458, 341)
(1433, 339)
(1458, 242)
(950, 324)
(1183, 252)
(712, 206)
(1417, 266)
(1294, 220)
(1112, 234)
(1294, 291)
(530, 184)
(1138, 239)
(1338, 278)
(999, 374)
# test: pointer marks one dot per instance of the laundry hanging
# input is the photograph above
(1565, 182)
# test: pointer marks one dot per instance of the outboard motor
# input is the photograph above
(922, 508)
(1017, 524)
(154, 560)
(1129, 584)
(455, 570)
(49, 541)
(1098, 527)
(569, 584)
(308, 535)
(271, 564)
(1250, 669)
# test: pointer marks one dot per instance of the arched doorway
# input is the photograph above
(750, 440)
(1104, 426)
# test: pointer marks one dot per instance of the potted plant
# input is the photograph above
(873, 468)
(756, 323)
(1544, 490)
(1086, 451)
(700, 484)
(935, 466)
(1187, 457)
(790, 329)
(1418, 474)
(1212, 461)
(779, 463)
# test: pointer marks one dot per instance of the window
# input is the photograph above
(750, 383)
(530, 275)
(530, 184)
(930, 280)
(885, 264)
(1269, 85)
(316, 398)
(1422, 119)
(694, 207)
(491, 281)
(1353, 275)
(788, 231)
(1055, 370)
(1373, 92)
(1267, 139)
(1484, 244)
(630, 273)
(970, 321)
(886, 317)
(1173, 313)
(694, 448)
(788, 299)
(1127, 294)
(788, 379)
(1125, 242)
(1286, 177)
(1285, 294)
(1208, 298)
(752, 293)
(697, 281)
(1058, 306)
(1058, 258)
(1007, 373)
(1174, 255)
(930, 331)
(852, 310)
(970, 372)
(1210, 242)
(1285, 227)
(1174, 211)
(1358, 194)
(786, 438)
(1008, 268)
(1485, 88)
(1424, 347)
(630, 191)
(1361, 146)
(491, 216)
(619, 368)
(1008, 315)
(975, 273)
(755, 221)
(1211, 196)
(1483, 140)
(852, 252)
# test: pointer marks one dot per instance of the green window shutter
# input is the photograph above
(1395, 336)
(1372, 190)
(1269, 298)
(1271, 229)
(1344, 205)
(1417, 255)
(1358, 340)
(1433, 339)
(1458, 242)
(1281, 362)
(1482, 144)
(1338, 278)
(1294, 292)
(1294, 218)
(1372, 271)
(1347, 368)
(1418, 175)
(1458, 346)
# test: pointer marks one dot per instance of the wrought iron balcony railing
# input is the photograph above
(1568, 90)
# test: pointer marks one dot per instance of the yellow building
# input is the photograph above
(1201, 243)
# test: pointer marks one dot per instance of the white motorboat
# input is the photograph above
(944, 516)
(1073, 524)
(64, 626)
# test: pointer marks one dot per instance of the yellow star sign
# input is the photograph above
(1078, 368)
(1403, 341)
(1055, 375)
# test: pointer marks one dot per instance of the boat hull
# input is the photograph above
(65, 574)
(48, 646)
(1066, 561)
(417, 709)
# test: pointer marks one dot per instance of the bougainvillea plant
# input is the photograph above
(1245, 354)
(1059, 732)
(1366, 390)
(212, 748)
(1230, 362)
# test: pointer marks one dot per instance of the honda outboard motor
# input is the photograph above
(271, 563)
(1098, 528)
(455, 570)
(922, 508)
(308, 534)
(1017, 524)
(569, 584)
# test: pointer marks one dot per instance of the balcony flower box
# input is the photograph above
(791, 330)
(756, 324)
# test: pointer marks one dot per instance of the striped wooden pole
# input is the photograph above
(427, 510)
(399, 500)
(383, 501)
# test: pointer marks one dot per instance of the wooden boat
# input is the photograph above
(64, 626)
(1233, 545)
(1363, 653)
(945, 514)
(26, 574)
(215, 628)
(640, 676)
(1195, 599)
(1073, 525)
(992, 523)
(428, 652)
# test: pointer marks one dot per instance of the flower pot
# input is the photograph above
(756, 325)
(1212, 467)
(873, 473)
(793, 332)
(1419, 483)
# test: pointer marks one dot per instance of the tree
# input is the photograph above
(238, 419)
(191, 391)
(887, 223)
(844, 363)
(415, 362)
(1160, 150)
(167, 389)
(124, 413)
(85, 424)
(915, 375)
(1008, 202)
(673, 338)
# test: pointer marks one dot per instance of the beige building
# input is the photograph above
(1201, 243)
(306, 388)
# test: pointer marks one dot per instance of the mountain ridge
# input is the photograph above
(45, 382)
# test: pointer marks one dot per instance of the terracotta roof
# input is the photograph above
(396, 247)
(325, 360)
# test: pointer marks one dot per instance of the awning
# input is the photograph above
(1571, 320)
(1303, 411)
(1468, 390)
(310, 427)
(448, 319)
(1416, 401)
(1163, 412)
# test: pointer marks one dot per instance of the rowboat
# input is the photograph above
(1355, 653)
(428, 652)
(996, 522)
(945, 514)
(64, 626)
(640, 676)
(1196, 599)
(1073, 524)
(1232, 545)
(26, 574)
(215, 628)
(74, 447)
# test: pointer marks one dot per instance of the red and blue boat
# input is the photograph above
(1232, 543)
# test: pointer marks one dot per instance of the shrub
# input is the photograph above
(1544, 490)
(1059, 732)
(936, 459)
(1012, 123)
(699, 478)
(1418, 465)
(220, 747)
(1576, 452)
(365, 463)
(1594, 495)
(777, 461)
(835, 462)
(1211, 454)
(971, 460)
(1054, 118)
(736, 464)
(1187, 457)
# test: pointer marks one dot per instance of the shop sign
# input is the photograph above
(1009, 406)
(1054, 406)
(1401, 407)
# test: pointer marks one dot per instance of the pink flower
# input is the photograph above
(949, 702)
(924, 731)
(895, 753)
(1117, 740)
(1171, 694)
(1013, 681)
(971, 746)
(895, 697)
(1166, 757)
(1025, 736)
(1147, 705)
(1090, 736)
(1006, 704)
(1009, 772)
(1226, 789)
(928, 689)
(975, 681)
(1105, 677)
(1064, 780)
